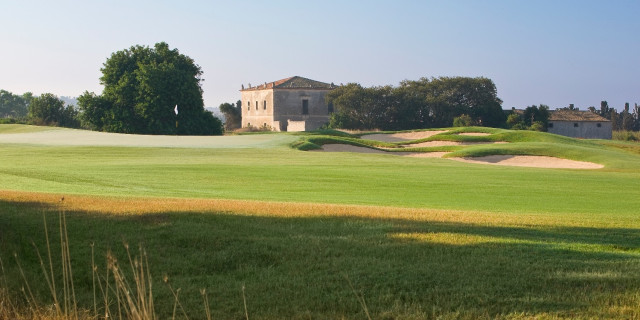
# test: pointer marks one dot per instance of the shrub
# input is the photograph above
(9, 121)
(463, 121)
(519, 126)
(538, 126)
(625, 135)
(513, 120)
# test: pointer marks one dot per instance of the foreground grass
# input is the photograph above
(300, 260)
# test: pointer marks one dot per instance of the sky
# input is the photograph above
(556, 52)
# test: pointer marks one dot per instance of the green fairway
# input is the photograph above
(279, 173)
(427, 237)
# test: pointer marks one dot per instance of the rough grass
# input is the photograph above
(626, 135)
(297, 260)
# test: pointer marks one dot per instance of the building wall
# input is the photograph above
(257, 117)
(283, 106)
(584, 129)
(289, 106)
(296, 126)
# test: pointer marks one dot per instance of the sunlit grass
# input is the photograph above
(128, 206)
(21, 128)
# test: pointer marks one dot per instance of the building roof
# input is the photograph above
(572, 115)
(292, 83)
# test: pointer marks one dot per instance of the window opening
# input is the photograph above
(305, 106)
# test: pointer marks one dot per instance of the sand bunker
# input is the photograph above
(446, 143)
(356, 149)
(425, 154)
(501, 160)
(348, 148)
(402, 136)
(531, 161)
(474, 134)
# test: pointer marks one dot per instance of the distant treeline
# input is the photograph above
(46, 109)
(444, 102)
(425, 103)
(627, 120)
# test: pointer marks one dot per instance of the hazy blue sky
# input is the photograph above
(551, 52)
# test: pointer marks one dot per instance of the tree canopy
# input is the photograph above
(423, 103)
(232, 114)
(142, 85)
(13, 105)
(48, 109)
(533, 118)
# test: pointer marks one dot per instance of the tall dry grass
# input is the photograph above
(123, 294)
(626, 135)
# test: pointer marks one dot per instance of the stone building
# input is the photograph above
(291, 104)
(579, 124)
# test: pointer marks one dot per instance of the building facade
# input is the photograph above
(579, 124)
(291, 104)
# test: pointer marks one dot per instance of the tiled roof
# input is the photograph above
(571, 115)
(293, 83)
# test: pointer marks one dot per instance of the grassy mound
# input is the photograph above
(519, 142)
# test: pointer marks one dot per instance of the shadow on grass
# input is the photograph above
(301, 267)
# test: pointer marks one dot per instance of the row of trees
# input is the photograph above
(424, 103)
(628, 120)
(142, 87)
(46, 109)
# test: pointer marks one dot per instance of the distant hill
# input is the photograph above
(216, 112)
(70, 101)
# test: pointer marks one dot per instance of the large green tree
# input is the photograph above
(142, 85)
